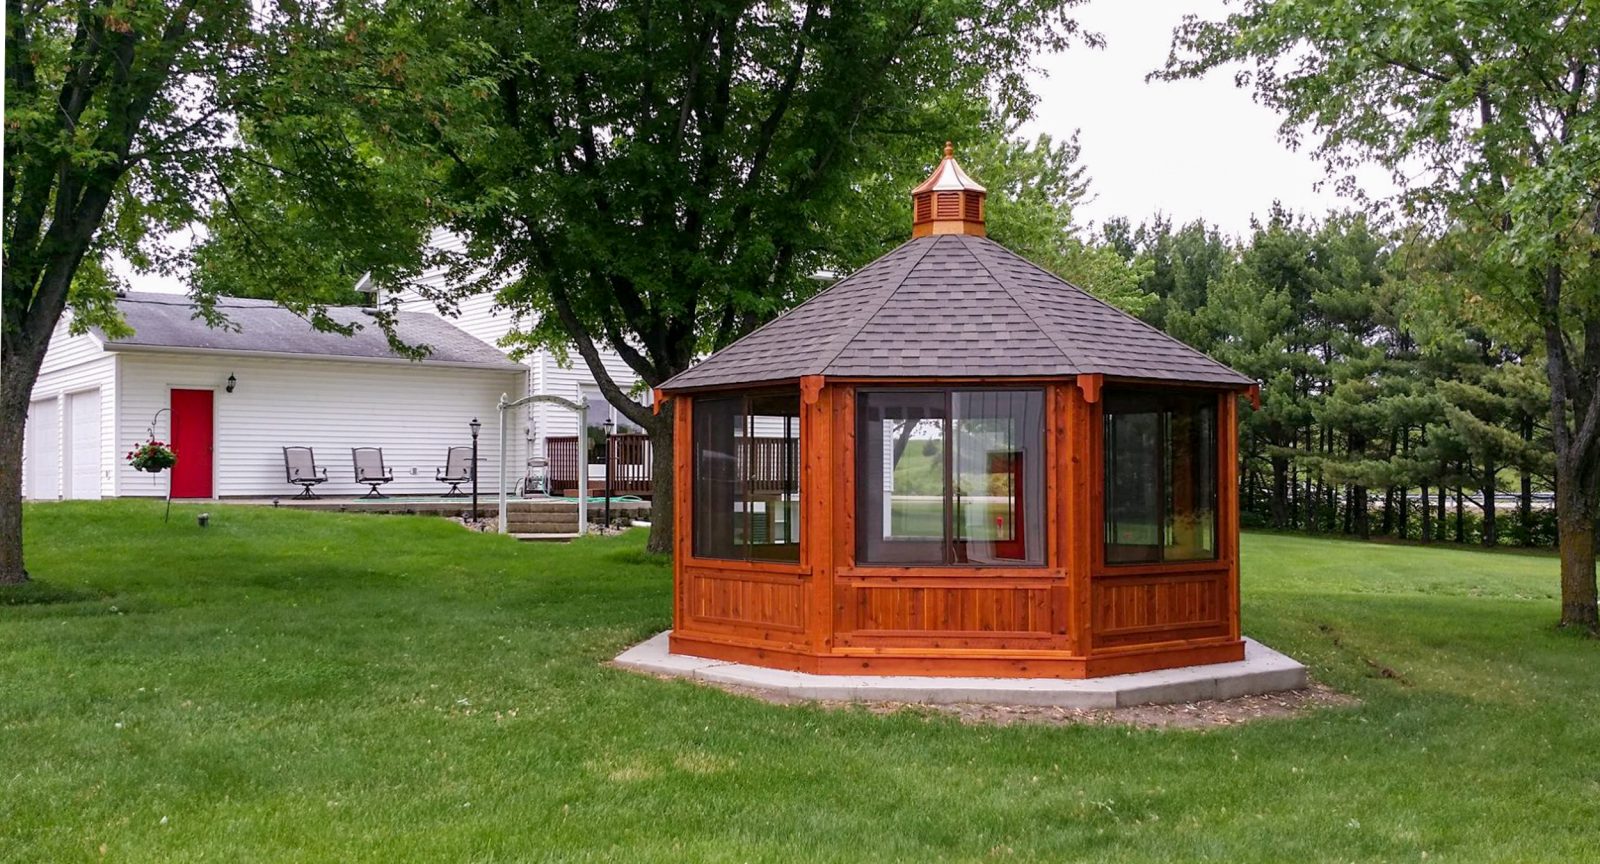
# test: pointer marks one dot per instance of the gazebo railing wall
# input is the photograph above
(774, 462)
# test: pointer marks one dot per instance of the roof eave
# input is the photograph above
(507, 365)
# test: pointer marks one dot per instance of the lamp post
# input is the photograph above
(475, 427)
(609, 425)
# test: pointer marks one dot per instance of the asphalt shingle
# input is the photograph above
(261, 326)
(953, 306)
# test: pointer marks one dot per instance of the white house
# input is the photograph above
(482, 316)
(230, 399)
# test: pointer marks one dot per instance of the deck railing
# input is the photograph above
(775, 463)
(629, 461)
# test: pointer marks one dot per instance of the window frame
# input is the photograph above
(746, 399)
(948, 541)
(1162, 399)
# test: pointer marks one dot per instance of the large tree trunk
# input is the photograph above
(22, 352)
(1574, 388)
(1576, 521)
(663, 480)
(13, 415)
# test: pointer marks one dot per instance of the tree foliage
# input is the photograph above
(1488, 113)
(657, 178)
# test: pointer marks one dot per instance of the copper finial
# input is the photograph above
(949, 150)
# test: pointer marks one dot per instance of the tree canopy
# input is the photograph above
(657, 178)
(1488, 113)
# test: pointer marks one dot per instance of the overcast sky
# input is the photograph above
(1191, 149)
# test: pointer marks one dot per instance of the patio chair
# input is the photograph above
(300, 466)
(370, 470)
(536, 479)
(457, 470)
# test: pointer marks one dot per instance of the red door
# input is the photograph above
(191, 441)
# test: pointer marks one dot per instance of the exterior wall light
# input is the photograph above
(232, 382)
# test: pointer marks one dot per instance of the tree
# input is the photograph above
(662, 178)
(107, 112)
(122, 125)
(1487, 113)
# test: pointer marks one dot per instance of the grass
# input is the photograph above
(308, 687)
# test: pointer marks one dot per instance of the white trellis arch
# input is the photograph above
(581, 407)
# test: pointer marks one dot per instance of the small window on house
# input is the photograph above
(1160, 476)
(950, 477)
(746, 501)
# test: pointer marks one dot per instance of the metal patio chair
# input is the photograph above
(369, 469)
(300, 467)
(536, 479)
(457, 470)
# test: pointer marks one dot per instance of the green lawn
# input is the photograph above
(313, 687)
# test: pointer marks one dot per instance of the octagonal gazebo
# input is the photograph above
(952, 462)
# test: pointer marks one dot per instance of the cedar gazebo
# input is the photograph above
(952, 462)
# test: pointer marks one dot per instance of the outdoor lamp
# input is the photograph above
(232, 382)
(475, 426)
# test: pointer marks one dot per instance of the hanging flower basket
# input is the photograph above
(152, 456)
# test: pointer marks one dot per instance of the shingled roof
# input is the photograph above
(169, 322)
(954, 306)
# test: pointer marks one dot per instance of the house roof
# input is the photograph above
(170, 322)
(954, 306)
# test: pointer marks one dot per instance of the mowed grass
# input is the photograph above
(288, 686)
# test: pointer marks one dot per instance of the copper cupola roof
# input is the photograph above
(948, 202)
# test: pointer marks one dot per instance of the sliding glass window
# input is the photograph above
(1160, 476)
(746, 502)
(950, 477)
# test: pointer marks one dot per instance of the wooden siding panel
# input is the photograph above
(1001, 609)
(1141, 609)
(754, 600)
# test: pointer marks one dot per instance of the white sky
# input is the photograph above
(1189, 149)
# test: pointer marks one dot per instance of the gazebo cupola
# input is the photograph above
(953, 462)
(948, 202)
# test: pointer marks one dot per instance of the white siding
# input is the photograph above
(413, 411)
(73, 364)
(479, 316)
(573, 381)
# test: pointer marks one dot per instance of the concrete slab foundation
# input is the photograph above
(1262, 670)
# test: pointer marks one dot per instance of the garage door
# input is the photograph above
(44, 450)
(83, 444)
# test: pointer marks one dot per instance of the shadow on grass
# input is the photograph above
(43, 594)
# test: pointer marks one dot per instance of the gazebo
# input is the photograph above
(952, 462)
